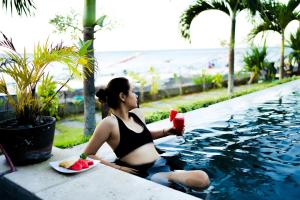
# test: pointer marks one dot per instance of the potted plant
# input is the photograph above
(28, 138)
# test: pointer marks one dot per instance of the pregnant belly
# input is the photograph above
(142, 155)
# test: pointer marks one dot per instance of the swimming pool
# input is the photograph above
(253, 154)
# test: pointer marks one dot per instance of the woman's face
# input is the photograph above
(131, 99)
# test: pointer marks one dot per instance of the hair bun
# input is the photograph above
(102, 95)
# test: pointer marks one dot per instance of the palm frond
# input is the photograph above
(279, 14)
(294, 44)
(6, 42)
(293, 4)
(188, 16)
(3, 86)
(285, 16)
(276, 17)
(269, 10)
(4, 90)
(194, 10)
(252, 5)
(294, 41)
(221, 6)
(21, 6)
(262, 27)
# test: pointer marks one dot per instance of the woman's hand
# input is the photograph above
(173, 131)
(128, 170)
(166, 132)
(119, 167)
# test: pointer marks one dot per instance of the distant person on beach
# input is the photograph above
(126, 133)
(211, 65)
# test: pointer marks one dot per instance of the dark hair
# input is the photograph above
(110, 94)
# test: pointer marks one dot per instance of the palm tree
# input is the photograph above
(275, 17)
(294, 44)
(89, 19)
(230, 7)
(70, 23)
(21, 7)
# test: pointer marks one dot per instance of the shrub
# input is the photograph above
(49, 101)
(203, 79)
(140, 79)
(255, 61)
(217, 80)
(156, 116)
(154, 81)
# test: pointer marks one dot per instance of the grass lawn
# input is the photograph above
(68, 136)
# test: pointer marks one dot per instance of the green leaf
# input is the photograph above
(100, 21)
(84, 47)
(83, 156)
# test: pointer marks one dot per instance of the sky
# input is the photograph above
(138, 25)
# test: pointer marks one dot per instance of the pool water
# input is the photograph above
(254, 155)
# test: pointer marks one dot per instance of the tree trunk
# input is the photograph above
(88, 83)
(281, 68)
(141, 99)
(231, 56)
(252, 78)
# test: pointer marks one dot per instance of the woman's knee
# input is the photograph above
(198, 179)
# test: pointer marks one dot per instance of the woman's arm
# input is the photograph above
(101, 134)
(156, 133)
(163, 132)
(113, 165)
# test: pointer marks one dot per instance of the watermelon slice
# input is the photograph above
(172, 114)
(90, 162)
(84, 163)
(76, 166)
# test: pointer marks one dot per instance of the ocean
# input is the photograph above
(167, 63)
(182, 62)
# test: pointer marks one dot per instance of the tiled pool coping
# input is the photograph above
(39, 181)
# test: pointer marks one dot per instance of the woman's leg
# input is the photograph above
(196, 179)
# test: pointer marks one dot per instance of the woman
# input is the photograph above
(126, 133)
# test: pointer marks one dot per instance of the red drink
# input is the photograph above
(172, 114)
(178, 123)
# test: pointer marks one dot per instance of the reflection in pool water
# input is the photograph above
(255, 155)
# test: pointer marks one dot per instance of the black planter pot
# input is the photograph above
(27, 145)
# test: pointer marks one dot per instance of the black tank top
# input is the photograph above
(130, 140)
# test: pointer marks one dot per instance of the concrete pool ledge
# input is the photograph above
(40, 181)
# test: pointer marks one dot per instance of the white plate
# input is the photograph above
(55, 165)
